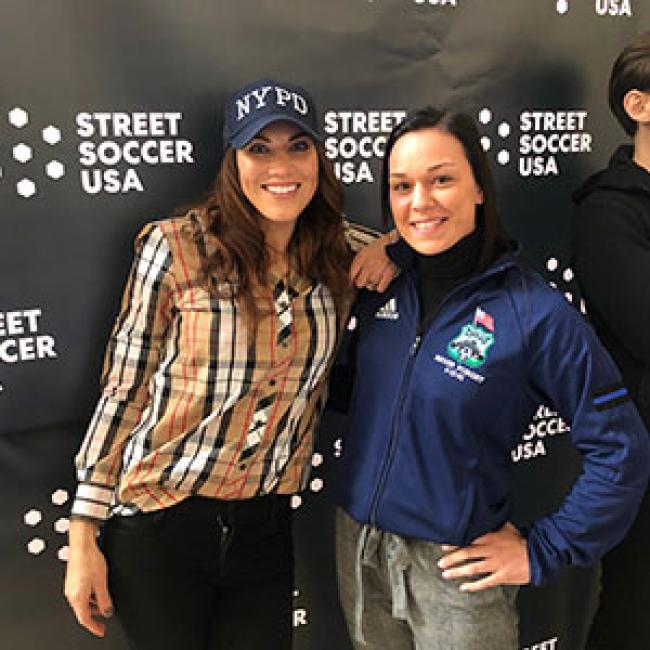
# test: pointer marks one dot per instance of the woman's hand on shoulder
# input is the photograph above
(498, 558)
(86, 578)
(371, 268)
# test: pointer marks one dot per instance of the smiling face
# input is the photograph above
(278, 172)
(432, 190)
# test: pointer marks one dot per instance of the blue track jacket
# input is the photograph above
(433, 417)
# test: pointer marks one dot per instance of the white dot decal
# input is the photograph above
(62, 525)
(485, 116)
(51, 135)
(36, 546)
(55, 169)
(26, 188)
(503, 157)
(33, 517)
(18, 117)
(22, 152)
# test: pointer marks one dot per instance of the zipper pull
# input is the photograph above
(225, 537)
(416, 345)
(224, 529)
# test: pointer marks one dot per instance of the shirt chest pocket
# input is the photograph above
(208, 329)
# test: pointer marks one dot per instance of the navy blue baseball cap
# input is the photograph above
(262, 102)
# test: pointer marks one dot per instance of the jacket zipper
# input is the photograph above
(415, 346)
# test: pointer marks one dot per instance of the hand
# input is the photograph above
(86, 583)
(371, 268)
(500, 558)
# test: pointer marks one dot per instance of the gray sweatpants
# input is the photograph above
(394, 597)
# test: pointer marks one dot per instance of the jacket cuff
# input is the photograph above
(542, 558)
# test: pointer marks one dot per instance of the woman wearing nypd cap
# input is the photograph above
(212, 385)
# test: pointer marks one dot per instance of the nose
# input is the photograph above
(422, 198)
(280, 164)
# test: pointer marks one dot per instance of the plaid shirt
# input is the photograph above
(189, 405)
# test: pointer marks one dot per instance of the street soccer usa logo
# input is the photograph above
(114, 149)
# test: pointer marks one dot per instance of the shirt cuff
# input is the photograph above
(92, 502)
(358, 236)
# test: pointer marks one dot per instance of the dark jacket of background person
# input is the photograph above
(612, 240)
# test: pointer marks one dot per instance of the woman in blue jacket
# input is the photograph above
(451, 364)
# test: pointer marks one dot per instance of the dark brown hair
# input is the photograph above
(317, 249)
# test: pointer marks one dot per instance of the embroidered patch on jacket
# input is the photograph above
(471, 346)
(388, 311)
(607, 398)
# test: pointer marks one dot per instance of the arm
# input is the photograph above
(86, 584)
(371, 267)
(612, 260)
(569, 369)
(131, 358)
(573, 373)
(132, 355)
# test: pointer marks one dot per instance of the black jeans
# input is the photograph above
(204, 575)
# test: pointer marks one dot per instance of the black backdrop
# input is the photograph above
(110, 117)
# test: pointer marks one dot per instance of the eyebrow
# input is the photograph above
(295, 136)
(433, 168)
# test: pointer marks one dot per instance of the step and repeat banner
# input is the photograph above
(110, 116)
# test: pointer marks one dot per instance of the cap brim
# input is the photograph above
(242, 138)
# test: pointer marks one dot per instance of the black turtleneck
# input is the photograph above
(438, 275)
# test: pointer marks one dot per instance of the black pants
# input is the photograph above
(204, 575)
(622, 621)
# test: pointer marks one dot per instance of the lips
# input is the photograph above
(424, 226)
(281, 190)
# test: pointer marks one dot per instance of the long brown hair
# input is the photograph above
(317, 249)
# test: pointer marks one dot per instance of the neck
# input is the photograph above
(277, 236)
(438, 275)
(457, 261)
(642, 146)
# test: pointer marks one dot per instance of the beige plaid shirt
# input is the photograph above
(189, 405)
